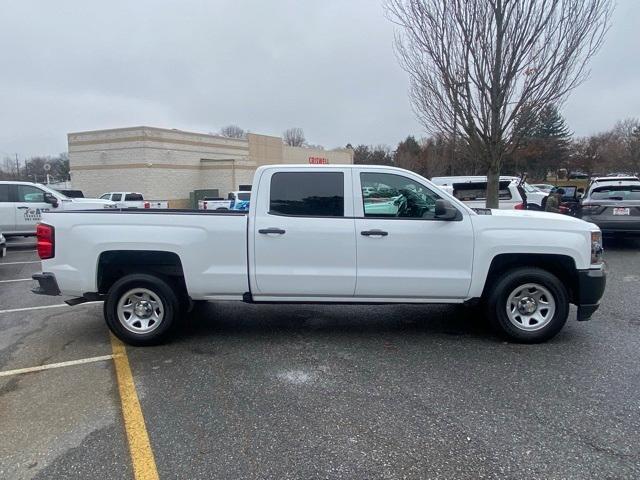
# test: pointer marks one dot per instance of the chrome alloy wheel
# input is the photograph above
(140, 310)
(530, 307)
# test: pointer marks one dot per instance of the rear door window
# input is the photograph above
(133, 197)
(307, 194)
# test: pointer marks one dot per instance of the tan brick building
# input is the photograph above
(168, 164)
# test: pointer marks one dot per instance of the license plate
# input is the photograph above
(621, 211)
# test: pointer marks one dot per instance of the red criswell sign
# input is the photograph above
(318, 160)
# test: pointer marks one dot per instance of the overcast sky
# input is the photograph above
(325, 66)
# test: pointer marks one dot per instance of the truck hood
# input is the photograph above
(535, 219)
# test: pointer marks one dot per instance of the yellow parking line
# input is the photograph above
(144, 463)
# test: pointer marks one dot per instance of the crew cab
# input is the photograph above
(22, 204)
(311, 235)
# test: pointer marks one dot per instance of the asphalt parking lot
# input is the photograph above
(307, 392)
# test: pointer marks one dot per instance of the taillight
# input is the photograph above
(46, 241)
(147, 205)
(519, 206)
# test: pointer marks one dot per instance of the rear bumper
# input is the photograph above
(591, 285)
(47, 284)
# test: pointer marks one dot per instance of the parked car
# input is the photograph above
(578, 176)
(613, 206)
(312, 236)
(238, 200)
(22, 204)
(71, 193)
(472, 190)
(214, 203)
(3, 246)
(543, 187)
(126, 199)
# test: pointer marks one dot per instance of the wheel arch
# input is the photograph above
(562, 266)
(115, 264)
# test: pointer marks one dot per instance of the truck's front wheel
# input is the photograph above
(140, 309)
(528, 305)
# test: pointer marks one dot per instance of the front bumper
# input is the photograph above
(47, 284)
(591, 284)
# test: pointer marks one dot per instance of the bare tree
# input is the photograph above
(294, 137)
(233, 131)
(474, 65)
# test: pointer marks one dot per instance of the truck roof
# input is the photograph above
(469, 179)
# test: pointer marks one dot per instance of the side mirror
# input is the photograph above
(50, 199)
(445, 211)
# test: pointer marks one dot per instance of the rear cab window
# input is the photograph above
(133, 197)
(617, 192)
(307, 194)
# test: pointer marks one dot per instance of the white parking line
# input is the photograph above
(49, 366)
(17, 263)
(57, 305)
(16, 280)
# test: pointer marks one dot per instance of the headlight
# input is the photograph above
(596, 248)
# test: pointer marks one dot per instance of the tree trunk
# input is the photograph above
(493, 184)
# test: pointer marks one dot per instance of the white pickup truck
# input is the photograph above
(132, 200)
(326, 234)
(22, 205)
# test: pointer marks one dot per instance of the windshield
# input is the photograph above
(617, 192)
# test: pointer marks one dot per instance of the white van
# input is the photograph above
(22, 204)
(472, 190)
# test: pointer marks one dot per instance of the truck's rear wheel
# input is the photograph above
(140, 309)
(528, 305)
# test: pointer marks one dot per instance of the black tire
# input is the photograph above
(161, 289)
(507, 284)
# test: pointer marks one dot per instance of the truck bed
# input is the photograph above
(212, 246)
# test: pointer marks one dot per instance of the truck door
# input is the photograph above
(403, 250)
(7, 209)
(29, 207)
(303, 234)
